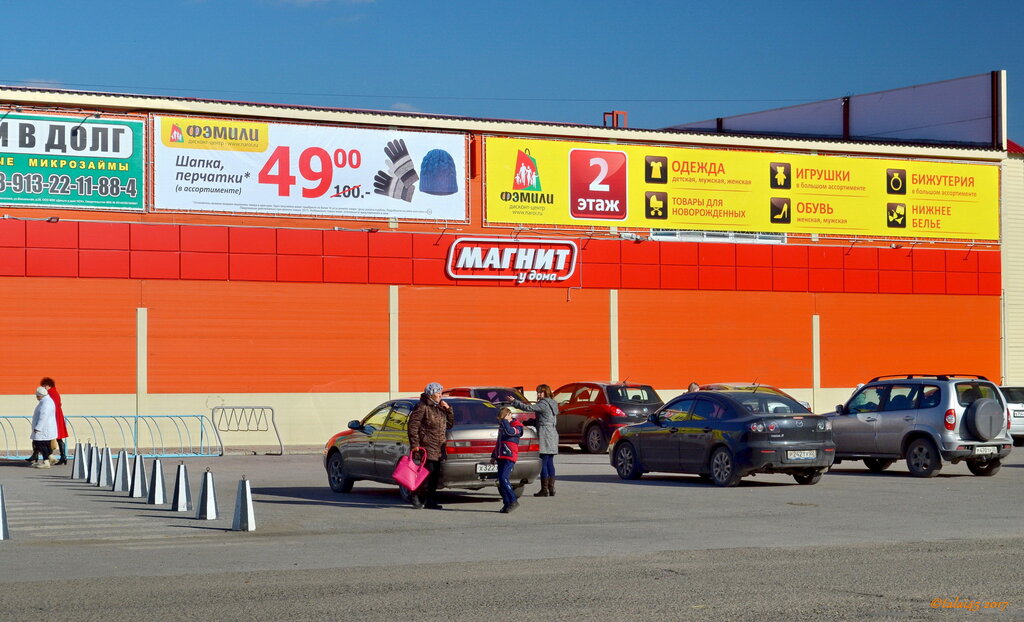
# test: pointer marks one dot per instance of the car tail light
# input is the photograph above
(757, 426)
(618, 412)
(772, 426)
(482, 446)
(825, 425)
(1008, 420)
(950, 419)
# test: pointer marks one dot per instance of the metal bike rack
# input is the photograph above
(246, 419)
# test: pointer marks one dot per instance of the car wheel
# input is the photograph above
(808, 478)
(595, 440)
(923, 459)
(985, 419)
(723, 468)
(984, 468)
(877, 465)
(1018, 441)
(518, 489)
(336, 477)
(626, 463)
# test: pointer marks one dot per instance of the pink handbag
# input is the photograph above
(408, 473)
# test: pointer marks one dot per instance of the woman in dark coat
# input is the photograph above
(428, 423)
(547, 417)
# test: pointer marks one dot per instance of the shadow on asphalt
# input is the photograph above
(366, 497)
(661, 479)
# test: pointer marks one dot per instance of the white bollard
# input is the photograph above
(182, 499)
(157, 494)
(94, 465)
(245, 519)
(77, 469)
(86, 455)
(137, 489)
(121, 482)
(106, 475)
(5, 532)
(208, 498)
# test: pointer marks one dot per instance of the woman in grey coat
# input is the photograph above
(547, 415)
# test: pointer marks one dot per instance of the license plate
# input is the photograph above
(806, 454)
(1018, 413)
(981, 451)
(486, 468)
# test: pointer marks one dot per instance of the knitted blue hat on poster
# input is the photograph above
(433, 387)
(437, 173)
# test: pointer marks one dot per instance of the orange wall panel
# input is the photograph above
(670, 338)
(868, 335)
(483, 335)
(241, 337)
(81, 332)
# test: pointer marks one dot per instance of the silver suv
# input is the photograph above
(927, 420)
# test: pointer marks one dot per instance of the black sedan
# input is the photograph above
(726, 435)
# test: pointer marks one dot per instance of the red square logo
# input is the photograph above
(597, 184)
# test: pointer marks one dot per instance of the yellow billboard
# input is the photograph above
(549, 182)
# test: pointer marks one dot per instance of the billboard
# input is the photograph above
(548, 182)
(223, 165)
(72, 162)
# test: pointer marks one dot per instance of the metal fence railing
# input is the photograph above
(246, 419)
(159, 436)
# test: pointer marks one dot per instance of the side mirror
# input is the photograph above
(654, 418)
(354, 424)
(840, 409)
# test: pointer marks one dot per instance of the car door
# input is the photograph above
(697, 433)
(357, 453)
(575, 414)
(854, 429)
(392, 442)
(659, 442)
(897, 416)
(563, 397)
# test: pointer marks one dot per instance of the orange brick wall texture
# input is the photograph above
(248, 337)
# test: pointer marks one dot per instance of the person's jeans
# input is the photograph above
(547, 465)
(504, 485)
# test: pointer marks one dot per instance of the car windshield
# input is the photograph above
(495, 395)
(472, 412)
(762, 403)
(969, 392)
(1014, 394)
(633, 395)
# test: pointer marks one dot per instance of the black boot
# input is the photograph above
(543, 492)
(551, 485)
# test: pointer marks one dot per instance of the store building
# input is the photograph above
(168, 256)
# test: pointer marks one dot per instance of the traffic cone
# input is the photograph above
(182, 499)
(208, 498)
(245, 520)
(137, 488)
(94, 465)
(77, 469)
(5, 532)
(105, 476)
(121, 483)
(157, 495)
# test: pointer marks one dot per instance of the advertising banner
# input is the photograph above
(547, 182)
(71, 162)
(220, 165)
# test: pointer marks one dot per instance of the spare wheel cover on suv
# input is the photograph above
(984, 419)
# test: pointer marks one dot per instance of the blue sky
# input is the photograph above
(664, 62)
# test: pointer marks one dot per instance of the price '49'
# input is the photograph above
(315, 165)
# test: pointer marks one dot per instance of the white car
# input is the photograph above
(1015, 404)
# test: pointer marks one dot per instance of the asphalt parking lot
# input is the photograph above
(855, 546)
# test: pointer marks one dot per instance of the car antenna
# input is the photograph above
(756, 386)
(623, 381)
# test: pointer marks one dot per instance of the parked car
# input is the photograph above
(750, 386)
(1015, 403)
(495, 395)
(724, 436)
(371, 447)
(588, 412)
(926, 420)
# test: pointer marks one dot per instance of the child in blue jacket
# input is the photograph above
(506, 452)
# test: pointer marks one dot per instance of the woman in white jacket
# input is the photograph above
(44, 426)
